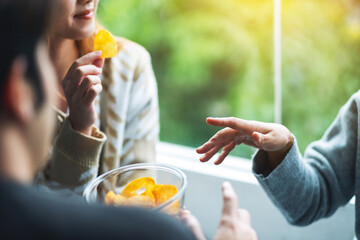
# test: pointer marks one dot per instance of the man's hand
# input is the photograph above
(192, 223)
(234, 223)
(273, 138)
(81, 86)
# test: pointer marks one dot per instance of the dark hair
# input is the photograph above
(23, 24)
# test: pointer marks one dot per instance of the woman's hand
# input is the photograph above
(273, 138)
(81, 86)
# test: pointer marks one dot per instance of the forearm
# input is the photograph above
(303, 189)
(75, 157)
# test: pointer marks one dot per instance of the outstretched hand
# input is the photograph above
(270, 137)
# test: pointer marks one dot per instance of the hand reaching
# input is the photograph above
(81, 86)
(270, 137)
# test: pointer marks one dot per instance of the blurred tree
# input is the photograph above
(214, 58)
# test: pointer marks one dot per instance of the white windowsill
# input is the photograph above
(186, 158)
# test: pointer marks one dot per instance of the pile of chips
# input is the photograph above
(144, 193)
(105, 42)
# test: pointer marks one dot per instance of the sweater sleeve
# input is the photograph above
(74, 159)
(308, 188)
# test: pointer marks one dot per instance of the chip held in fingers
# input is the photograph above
(105, 42)
(144, 193)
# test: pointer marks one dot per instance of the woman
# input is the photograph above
(125, 113)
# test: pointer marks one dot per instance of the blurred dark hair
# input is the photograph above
(24, 24)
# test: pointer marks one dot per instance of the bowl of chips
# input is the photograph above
(152, 186)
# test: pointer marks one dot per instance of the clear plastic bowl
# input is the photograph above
(163, 174)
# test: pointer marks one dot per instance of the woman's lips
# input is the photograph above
(87, 14)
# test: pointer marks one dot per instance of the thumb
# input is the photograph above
(258, 138)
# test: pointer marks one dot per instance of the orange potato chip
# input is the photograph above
(147, 183)
(144, 193)
(109, 198)
(149, 192)
(164, 192)
(105, 42)
(141, 201)
(120, 200)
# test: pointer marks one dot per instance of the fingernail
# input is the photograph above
(226, 186)
(98, 52)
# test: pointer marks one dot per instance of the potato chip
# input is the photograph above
(105, 42)
(141, 201)
(144, 193)
(109, 198)
(164, 192)
(149, 192)
(133, 188)
(120, 200)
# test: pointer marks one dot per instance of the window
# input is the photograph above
(217, 58)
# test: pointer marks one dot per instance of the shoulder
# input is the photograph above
(132, 49)
(353, 104)
(348, 114)
(132, 60)
(355, 96)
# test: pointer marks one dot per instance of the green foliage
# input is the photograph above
(214, 58)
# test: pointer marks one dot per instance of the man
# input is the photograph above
(27, 82)
(26, 126)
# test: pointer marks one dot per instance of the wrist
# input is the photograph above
(276, 157)
(81, 129)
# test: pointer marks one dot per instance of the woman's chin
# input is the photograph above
(83, 32)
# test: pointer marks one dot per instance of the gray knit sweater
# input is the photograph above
(308, 188)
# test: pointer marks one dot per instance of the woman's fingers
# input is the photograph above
(222, 137)
(86, 83)
(205, 147)
(246, 127)
(91, 94)
(85, 60)
(231, 122)
(258, 138)
(73, 81)
(225, 152)
(99, 62)
(207, 156)
(84, 71)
